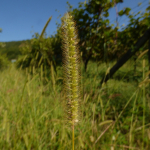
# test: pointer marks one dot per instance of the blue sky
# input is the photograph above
(20, 19)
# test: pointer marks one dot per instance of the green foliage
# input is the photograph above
(94, 29)
(124, 12)
(3, 59)
(40, 53)
(11, 49)
(98, 39)
(3, 62)
(36, 53)
(2, 44)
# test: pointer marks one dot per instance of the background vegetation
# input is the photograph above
(113, 116)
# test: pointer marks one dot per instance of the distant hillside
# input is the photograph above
(11, 49)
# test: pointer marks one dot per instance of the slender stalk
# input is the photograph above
(132, 126)
(73, 137)
(144, 104)
(42, 33)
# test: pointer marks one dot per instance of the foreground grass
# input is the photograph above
(32, 115)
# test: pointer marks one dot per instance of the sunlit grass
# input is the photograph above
(31, 113)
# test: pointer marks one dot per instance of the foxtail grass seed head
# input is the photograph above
(42, 33)
(71, 70)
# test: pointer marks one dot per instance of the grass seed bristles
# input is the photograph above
(71, 63)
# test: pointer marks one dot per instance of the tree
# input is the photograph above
(93, 27)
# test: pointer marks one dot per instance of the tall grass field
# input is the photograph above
(113, 117)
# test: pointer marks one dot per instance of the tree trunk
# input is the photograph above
(86, 63)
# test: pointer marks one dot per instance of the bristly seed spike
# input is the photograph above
(71, 70)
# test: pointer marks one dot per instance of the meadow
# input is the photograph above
(112, 117)
(33, 90)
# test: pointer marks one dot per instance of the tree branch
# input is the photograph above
(127, 56)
